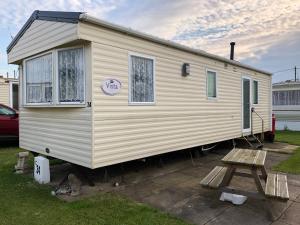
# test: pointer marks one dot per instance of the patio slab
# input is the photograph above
(280, 147)
(248, 214)
(292, 215)
(180, 194)
(175, 188)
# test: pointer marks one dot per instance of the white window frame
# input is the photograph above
(253, 103)
(55, 89)
(24, 84)
(57, 82)
(217, 91)
(130, 79)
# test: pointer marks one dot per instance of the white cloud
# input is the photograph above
(14, 14)
(255, 25)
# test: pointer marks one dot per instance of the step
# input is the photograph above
(257, 145)
(251, 139)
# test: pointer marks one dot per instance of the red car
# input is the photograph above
(9, 123)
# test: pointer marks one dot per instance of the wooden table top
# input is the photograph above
(245, 157)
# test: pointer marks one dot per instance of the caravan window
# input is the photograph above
(63, 85)
(255, 92)
(39, 79)
(286, 97)
(71, 75)
(211, 82)
(141, 80)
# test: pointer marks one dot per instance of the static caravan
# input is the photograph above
(9, 89)
(96, 94)
(286, 105)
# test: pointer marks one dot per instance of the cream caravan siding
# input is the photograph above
(4, 93)
(41, 36)
(182, 116)
(264, 106)
(66, 131)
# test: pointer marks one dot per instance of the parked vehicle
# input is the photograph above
(9, 123)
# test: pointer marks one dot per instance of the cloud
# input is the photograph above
(255, 25)
(14, 15)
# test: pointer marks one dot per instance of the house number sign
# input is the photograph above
(111, 86)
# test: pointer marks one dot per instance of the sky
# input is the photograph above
(266, 32)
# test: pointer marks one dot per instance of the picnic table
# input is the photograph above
(251, 164)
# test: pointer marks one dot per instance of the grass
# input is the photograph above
(292, 164)
(291, 137)
(22, 201)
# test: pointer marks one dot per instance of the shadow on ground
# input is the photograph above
(171, 183)
(8, 144)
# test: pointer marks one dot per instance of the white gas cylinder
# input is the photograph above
(41, 170)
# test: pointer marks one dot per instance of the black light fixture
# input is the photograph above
(185, 69)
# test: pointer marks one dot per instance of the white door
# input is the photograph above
(246, 104)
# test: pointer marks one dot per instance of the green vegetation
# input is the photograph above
(25, 202)
(292, 164)
(291, 137)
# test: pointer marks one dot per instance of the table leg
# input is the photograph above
(257, 180)
(228, 176)
(264, 173)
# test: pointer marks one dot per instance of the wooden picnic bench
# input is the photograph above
(269, 186)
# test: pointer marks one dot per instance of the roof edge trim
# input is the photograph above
(67, 17)
(87, 18)
(75, 17)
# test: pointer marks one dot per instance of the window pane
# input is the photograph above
(291, 97)
(39, 79)
(211, 84)
(255, 92)
(142, 85)
(6, 111)
(246, 103)
(71, 75)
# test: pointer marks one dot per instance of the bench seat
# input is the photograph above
(214, 178)
(276, 186)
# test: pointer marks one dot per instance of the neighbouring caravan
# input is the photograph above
(286, 105)
(96, 94)
(9, 89)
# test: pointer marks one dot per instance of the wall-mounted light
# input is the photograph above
(185, 69)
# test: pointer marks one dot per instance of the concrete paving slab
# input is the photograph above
(280, 147)
(199, 171)
(294, 191)
(201, 210)
(171, 179)
(245, 215)
(175, 188)
(140, 191)
(297, 199)
(292, 214)
(167, 198)
(273, 159)
(279, 223)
